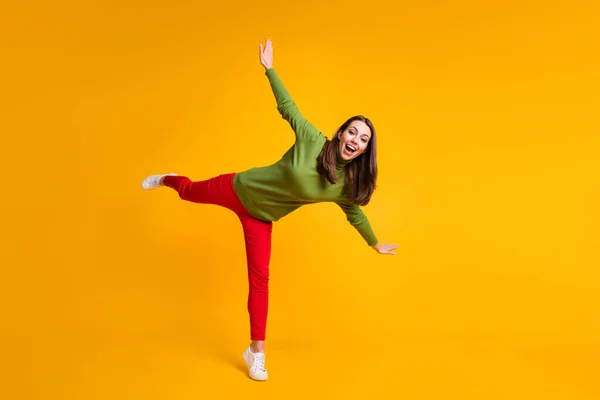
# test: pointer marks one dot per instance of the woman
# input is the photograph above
(315, 169)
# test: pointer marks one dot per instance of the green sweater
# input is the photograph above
(270, 193)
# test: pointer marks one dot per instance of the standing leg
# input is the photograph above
(257, 236)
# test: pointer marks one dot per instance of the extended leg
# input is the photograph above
(217, 190)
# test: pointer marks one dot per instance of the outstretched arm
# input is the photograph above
(357, 218)
(285, 104)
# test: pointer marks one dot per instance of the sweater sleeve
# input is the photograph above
(359, 221)
(288, 109)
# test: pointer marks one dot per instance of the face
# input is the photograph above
(354, 140)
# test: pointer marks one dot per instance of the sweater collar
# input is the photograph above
(340, 162)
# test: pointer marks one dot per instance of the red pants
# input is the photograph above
(219, 191)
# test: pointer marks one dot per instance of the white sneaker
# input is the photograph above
(256, 365)
(154, 181)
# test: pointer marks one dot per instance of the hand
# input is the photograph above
(385, 248)
(266, 55)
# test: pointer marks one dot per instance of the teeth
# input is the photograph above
(350, 147)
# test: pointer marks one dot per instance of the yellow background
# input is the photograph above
(488, 122)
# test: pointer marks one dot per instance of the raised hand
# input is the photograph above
(266, 54)
(385, 248)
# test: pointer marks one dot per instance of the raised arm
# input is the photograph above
(357, 218)
(285, 104)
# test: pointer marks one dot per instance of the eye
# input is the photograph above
(364, 140)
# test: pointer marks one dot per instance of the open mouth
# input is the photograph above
(350, 149)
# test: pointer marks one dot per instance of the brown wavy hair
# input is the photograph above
(361, 172)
